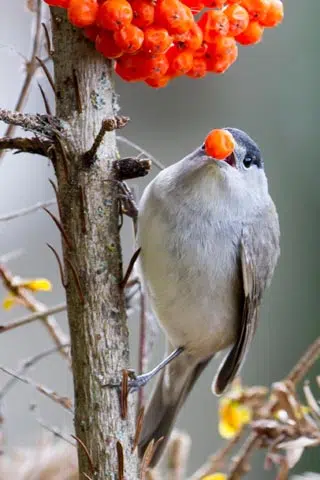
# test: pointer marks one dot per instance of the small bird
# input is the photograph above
(209, 237)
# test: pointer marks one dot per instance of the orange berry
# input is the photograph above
(195, 5)
(155, 66)
(252, 34)
(82, 13)
(238, 19)
(198, 69)
(213, 23)
(274, 15)
(58, 3)
(114, 14)
(143, 13)
(158, 82)
(91, 32)
(219, 144)
(156, 40)
(129, 38)
(131, 68)
(106, 45)
(174, 16)
(256, 8)
(221, 54)
(180, 62)
(192, 39)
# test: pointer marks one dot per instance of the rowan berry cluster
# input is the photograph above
(155, 41)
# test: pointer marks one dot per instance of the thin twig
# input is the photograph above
(138, 429)
(55, 253)
(77, 90)
(48, 41)
(45, 100)
(77, 280)
(132, 262)
(65, 402)
(47, 73)
(26, 211)
(30, 362)
(305, 363)
(31, 68)
(86, 451)
(60, 227)
(108, 125)
(144, 152)
(120, 460)
(35, 316)
(124, 395)
(55, 431)
(240, 463)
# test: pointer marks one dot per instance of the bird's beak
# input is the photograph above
(230, 160)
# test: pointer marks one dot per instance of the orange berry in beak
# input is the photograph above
(219, 144)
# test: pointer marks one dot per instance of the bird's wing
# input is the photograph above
(259, 252)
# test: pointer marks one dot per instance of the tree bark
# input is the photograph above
(88, 203)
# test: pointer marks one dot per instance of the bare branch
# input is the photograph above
(305, 363)
(43, 124)
(65, 402)
(30, 362)
(127, 168)
(26, 211)
(108, 125)
(35, 316)
(27, 145)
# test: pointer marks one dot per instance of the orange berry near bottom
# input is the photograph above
(238, 19)
(130, 68)
(158, 82)
(219, 144)
(106, 45)
(252, 35)
(82, 13)
(198, 69)
(129, 38)
(155, 66)
(58, 3)
(180, 62)
(192, 39)
(224, 47)
(274, 15)
(213, 23)
(156, 40)
(143, 13)
(114, 14)
(201, 51)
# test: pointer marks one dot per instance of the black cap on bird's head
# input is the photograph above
(246, 151)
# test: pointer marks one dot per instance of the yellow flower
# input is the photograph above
(215, 476)
(233, 416)
(9, 302)
(36, 284)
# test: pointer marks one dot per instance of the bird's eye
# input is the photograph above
(247, 162)
(203, 147)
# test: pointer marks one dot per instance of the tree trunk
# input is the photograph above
(88, 202)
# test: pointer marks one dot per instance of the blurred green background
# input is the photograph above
(272, 93)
